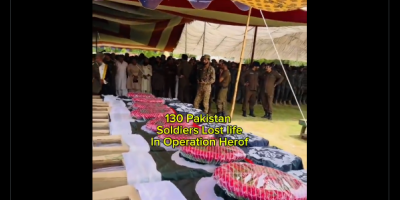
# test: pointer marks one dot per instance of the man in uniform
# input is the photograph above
(271, 79)
(206, 78)
(184, 71)
(303, 87)
(224, 81)
(250, 81)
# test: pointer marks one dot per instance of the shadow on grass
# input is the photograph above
(298, 137)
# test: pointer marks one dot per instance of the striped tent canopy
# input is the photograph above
(267, 5)
(129, 24)
(221, 11)
(132, 27)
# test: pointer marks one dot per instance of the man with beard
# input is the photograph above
(169, 78)
(250, 81)
(185, 69)
(271, 80)
(206, 78)
(224, 81)
(113, 71)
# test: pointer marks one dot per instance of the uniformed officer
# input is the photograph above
(271, 80)
(224, 81)
(206, 78)
(250, 81)
(303, 87)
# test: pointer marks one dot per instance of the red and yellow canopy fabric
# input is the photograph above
(266, 5)
(223, 12)
(130, 24)
(136, 28)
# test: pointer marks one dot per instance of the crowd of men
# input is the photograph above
(200, 82)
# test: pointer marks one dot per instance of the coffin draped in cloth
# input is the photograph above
(274, 158)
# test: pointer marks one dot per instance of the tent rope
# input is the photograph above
(284, 70)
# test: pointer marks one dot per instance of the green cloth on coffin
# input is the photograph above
(170, 170)
(201, 189)
(136, 129)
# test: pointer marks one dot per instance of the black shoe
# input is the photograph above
(252, 113)
(265, 116)
(269, 117)
(244, 114)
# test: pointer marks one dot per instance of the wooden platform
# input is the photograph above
(125, 192)
(303, 132)
(106, 180)
(101, 151)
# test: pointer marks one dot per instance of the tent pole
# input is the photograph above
(240, 64)
(204, 39)
(254, 45)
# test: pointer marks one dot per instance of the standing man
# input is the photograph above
(250, 81)
(103, 75)
(170, 78)
(193, 79)
(96, 80)
(147, 74)
(271, 80)
(184, 71)
(158, 79)
(112, 69)
(206, 78)
(121, 77)
(224, 81)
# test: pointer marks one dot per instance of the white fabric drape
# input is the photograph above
(226, 41)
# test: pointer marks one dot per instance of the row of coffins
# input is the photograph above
(127, 164)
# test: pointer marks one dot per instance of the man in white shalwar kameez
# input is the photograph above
(147, 74)
(120, 79)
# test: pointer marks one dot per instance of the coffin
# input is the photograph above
(100, 114)
(103, 109)
(105, 145)
(99, 104)
(136, 167)
(108, 179)
(126, 192)
(101, 127)
(117, 144)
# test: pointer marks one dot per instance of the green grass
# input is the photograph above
(280, 112)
